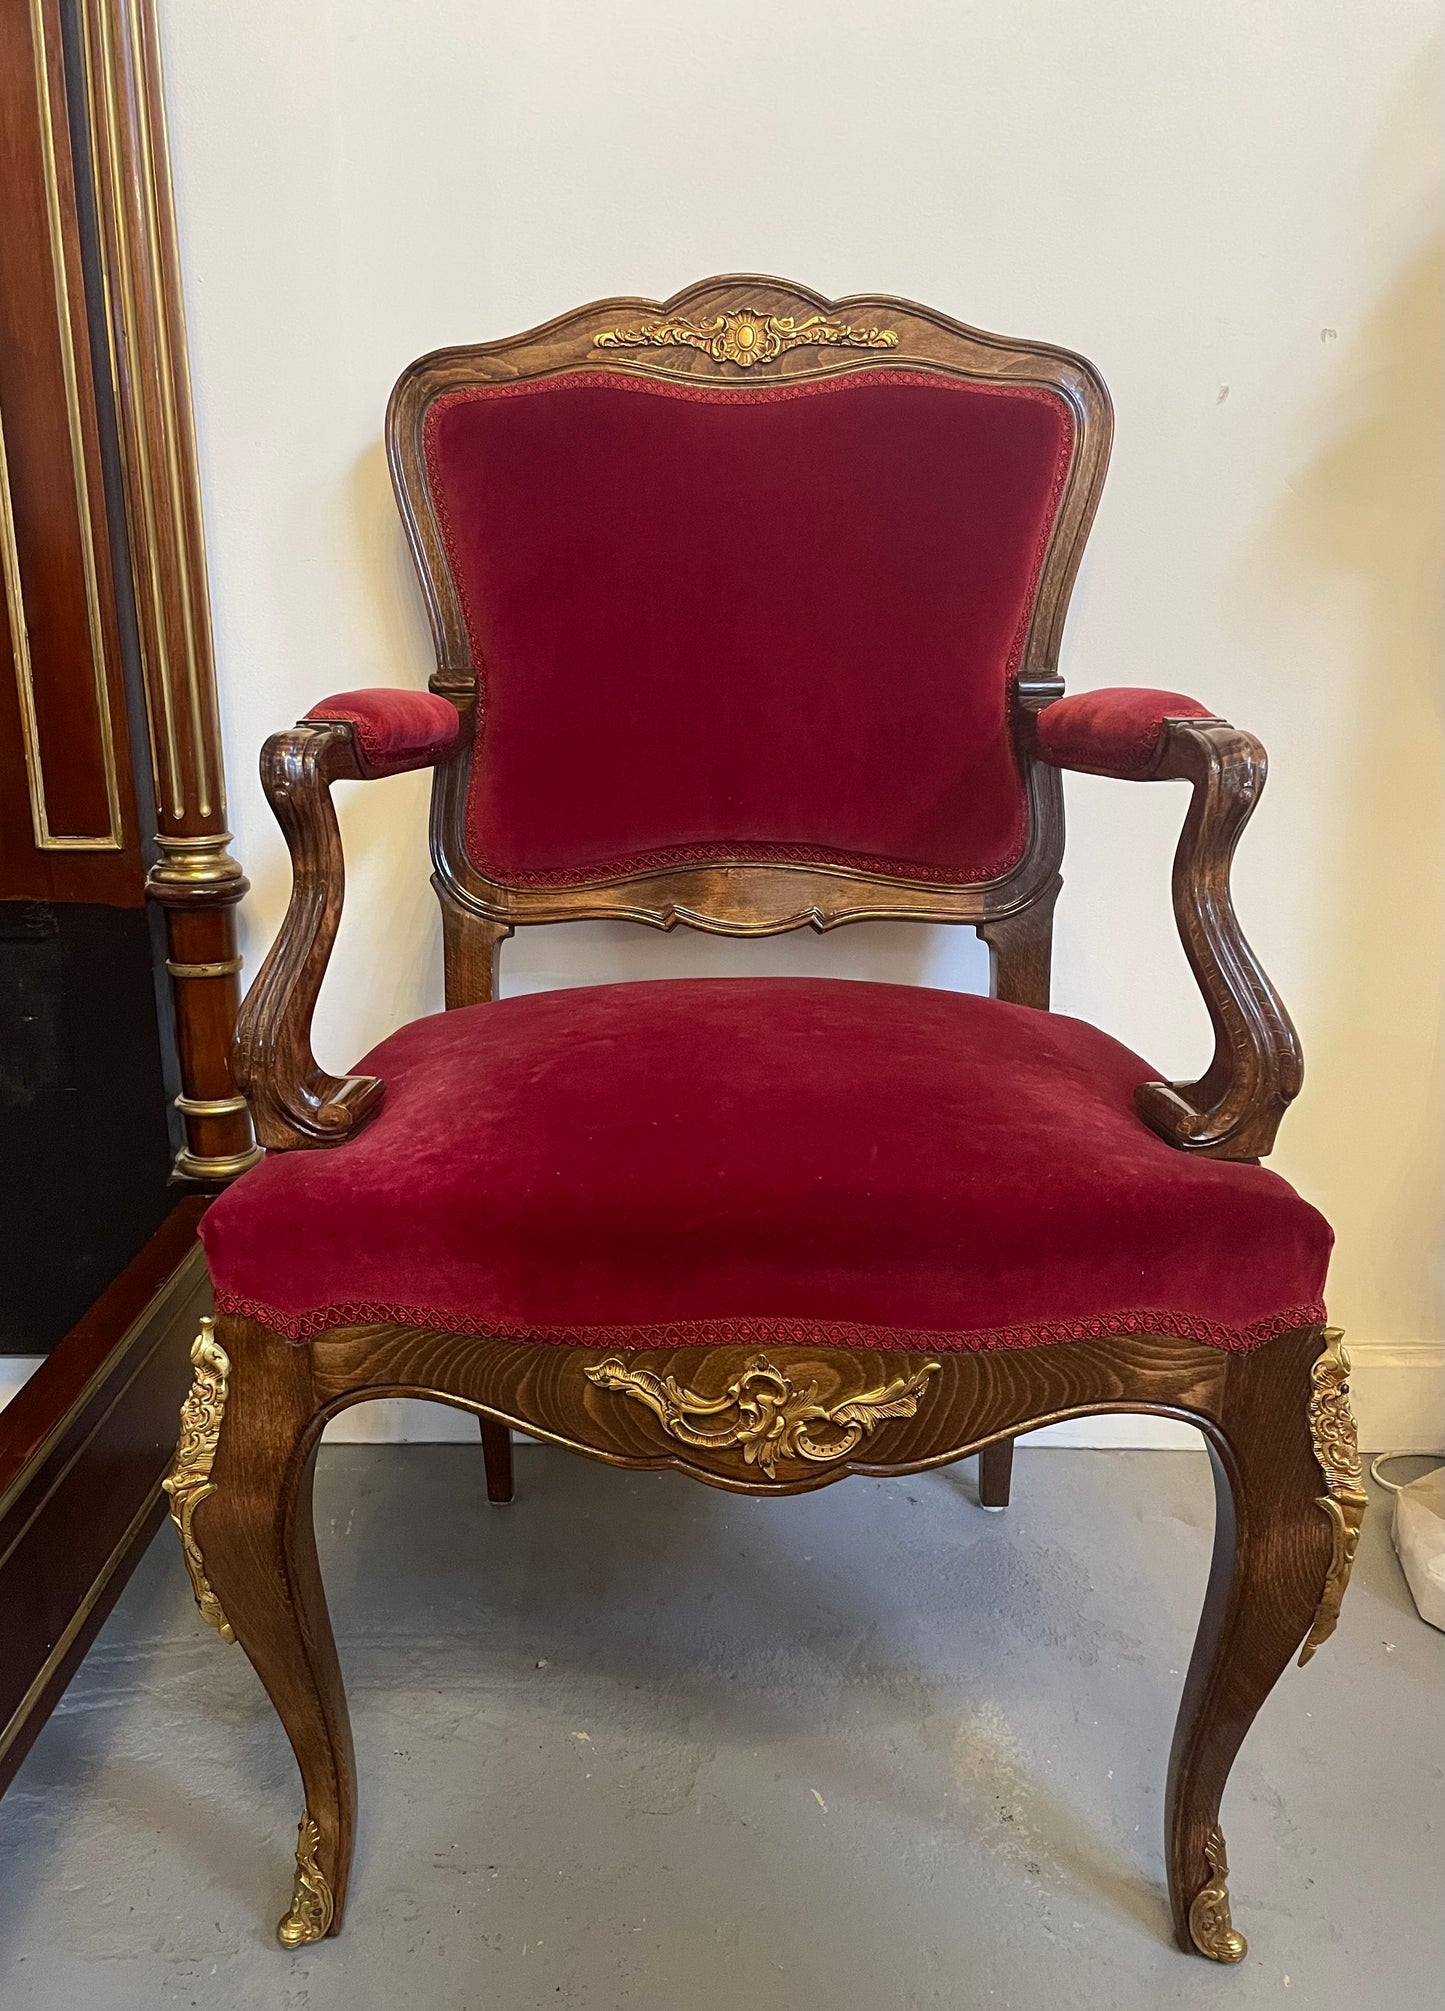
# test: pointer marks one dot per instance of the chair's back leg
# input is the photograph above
(497, 1458)
(1020, 964)
(1273, 1551)
(995, 1472)
(256, 1548)
(470, 944)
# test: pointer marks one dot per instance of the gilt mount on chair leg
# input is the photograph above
(888, 741)
(795, 1420)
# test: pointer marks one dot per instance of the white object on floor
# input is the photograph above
(1418, 1530)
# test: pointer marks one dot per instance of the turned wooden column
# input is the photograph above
(194, 878)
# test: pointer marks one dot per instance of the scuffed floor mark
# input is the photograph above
(991, 1770)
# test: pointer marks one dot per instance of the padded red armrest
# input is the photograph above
(395, 730)
(1115, 732)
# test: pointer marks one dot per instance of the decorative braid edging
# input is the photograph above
(745, 854)
(784, 1332)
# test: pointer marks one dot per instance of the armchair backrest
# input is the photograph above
(744, 592)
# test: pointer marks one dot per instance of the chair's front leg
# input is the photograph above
(251, 1550)
(1283, 1442)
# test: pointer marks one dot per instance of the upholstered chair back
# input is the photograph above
(719, 609)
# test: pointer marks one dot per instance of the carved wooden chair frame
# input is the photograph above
(1277, 1422)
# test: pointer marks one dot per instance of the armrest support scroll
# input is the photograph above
(350, 738)
(1234, 1110)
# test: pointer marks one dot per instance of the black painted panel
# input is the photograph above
(84, 1152)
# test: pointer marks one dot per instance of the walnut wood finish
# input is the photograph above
(259, 1544)
(1235, 1108)
(1020, 965)
(497, 1459)
(995, 1474)
(1021, 951)
(833, 1411)
(1273, 1546)
(293, 1100)
(470, 944)
(1272, 1551)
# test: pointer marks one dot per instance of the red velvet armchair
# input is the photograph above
(747, 611)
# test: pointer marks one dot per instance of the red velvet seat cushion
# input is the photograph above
(771, 622)
(736, 1160)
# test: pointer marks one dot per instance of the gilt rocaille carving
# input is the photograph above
(189, 1480)
(1210, 1928)
(1337, 1448)
(747, 337)
(763, 1413)
(312, 1906)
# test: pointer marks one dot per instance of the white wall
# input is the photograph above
(1233, 209)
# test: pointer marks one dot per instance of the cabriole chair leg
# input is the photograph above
(250, 1548)
(1281, 1455)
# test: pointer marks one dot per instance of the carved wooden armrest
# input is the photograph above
(1234, 1110)
(350, 738)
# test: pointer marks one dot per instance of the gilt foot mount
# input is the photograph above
(1210, 1927)
(312, 1907)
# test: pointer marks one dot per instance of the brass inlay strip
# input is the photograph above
(1337, 1449)
(222, 967)
(747, 337)
(189, 1480)
(1210, 1927)
(771, 1419)
(137, 349)
(202, 748)
(312, 1906)
(170, 787)
(47, 840)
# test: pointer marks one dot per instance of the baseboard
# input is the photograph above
(1398, 1392)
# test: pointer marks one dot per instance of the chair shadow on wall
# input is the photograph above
(1367, 510)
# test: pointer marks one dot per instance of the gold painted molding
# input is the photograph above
(195, 878)
(189, 1480)
(771, 1418)
(747, 337)
(312, 1906)
(46, 840)
(1337, 1448)
(1210, 1927)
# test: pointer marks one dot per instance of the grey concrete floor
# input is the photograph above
(635, 1743)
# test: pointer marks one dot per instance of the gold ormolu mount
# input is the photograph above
(189, 1480)
(312, 1906)
(746, 337)
(1337, 1448)
(1210, 1928)
(770, 1418)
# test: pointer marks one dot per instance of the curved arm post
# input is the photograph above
(294, 1102)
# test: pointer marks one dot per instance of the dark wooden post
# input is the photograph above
(195, 879)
